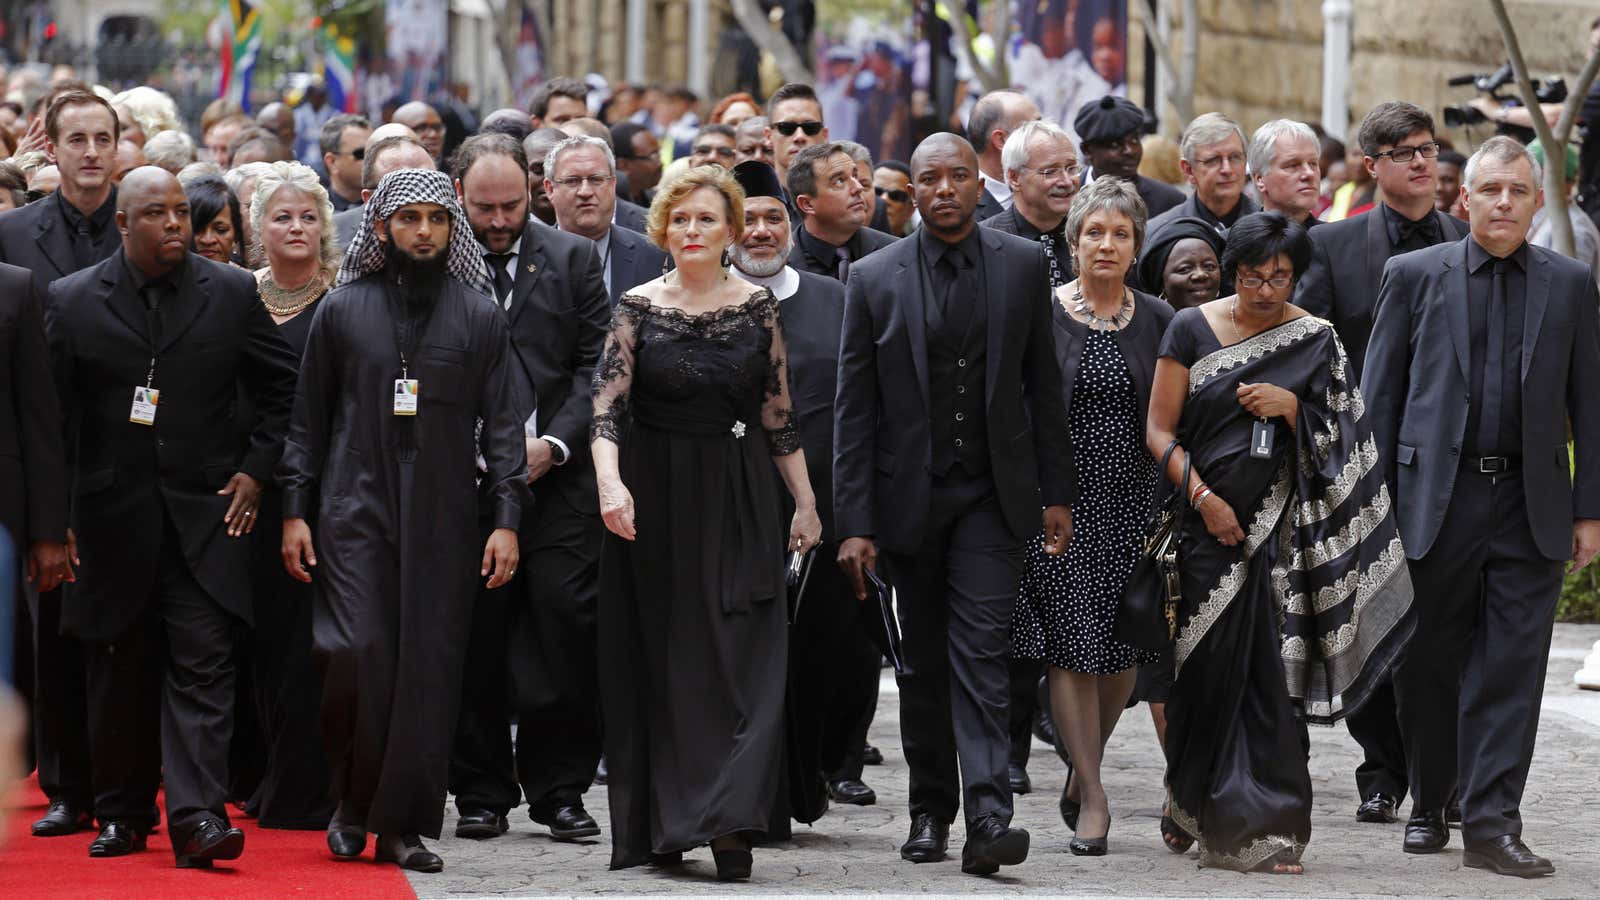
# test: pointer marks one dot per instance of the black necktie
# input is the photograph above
(1493, 363)
(843, 270)
(153, 293)
(949, 269)
(83, 249)
(502, 278)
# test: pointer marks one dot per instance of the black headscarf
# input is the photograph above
(1153, 261)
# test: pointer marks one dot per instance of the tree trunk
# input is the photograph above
(990, 78)
(753, 19)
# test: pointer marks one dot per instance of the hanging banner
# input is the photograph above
(529, 67)
(864, 53)
(416, 35)
(1065, 53)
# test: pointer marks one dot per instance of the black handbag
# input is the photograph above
(1147, 618)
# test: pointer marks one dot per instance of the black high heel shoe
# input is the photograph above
(1069, 807)
(1090, 846)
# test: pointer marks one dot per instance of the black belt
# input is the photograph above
(1492, 465)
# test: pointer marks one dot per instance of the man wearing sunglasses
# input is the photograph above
(891, 182)
(794, 122)
(834, 206)
(344, 146)
(1341, 285)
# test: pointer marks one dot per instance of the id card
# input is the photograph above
(405, 396)
(143, 411)
(1261, 439)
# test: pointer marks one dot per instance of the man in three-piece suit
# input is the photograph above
(581, 180)
(535, 640)
(1485, 352)
(1347, 262)
(949, 436)
(70, 230)
(149, 349)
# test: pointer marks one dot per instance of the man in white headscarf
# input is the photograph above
(404, 412)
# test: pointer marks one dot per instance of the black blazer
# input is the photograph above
(559, 315)
(988, 206)
(1347, 259)
(1191, 207)
(128, 478)
(811, 321)
(1416, 388)
(33, 466)
(631, 216)
(803, 261)
(882, 437)
(35, 238)
(634, 261)
(1140, 344)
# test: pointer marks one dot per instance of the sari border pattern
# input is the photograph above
(1254, 347)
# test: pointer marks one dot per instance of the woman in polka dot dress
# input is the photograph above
(1107, 337)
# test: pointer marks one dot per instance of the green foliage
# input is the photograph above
(1580, 597)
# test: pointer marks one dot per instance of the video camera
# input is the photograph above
(1550, 90)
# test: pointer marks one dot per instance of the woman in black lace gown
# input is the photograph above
(690, 401)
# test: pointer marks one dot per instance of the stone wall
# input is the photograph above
(1262, 59)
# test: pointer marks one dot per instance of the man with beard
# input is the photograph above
(151, 349)
(833, 202)
(406, 382)
(553, 292)
(833, 672)
(580, 176)
(1109, 130)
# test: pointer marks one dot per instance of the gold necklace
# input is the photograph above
(281, 302)
(1238, 335)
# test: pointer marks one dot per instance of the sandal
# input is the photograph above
(1281, 863)
(1177, 840)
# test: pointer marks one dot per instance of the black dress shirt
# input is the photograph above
(90, 234)
(1406, 235)
(1480, 281)
(952, 297)
(822, 250)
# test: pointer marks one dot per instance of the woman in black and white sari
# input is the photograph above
(1296, 596)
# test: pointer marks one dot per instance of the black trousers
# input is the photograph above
(532, 650)
(1376, 727)
(1472, 680)
(956, 595)
(167, 683)
(60, 705)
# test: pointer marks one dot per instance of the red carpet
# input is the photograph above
(275, 864)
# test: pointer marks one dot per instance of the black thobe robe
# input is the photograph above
(394, 514)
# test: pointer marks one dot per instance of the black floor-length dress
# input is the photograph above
(693, 650)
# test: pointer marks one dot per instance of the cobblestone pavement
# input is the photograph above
(854, 850)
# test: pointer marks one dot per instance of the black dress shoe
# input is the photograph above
(1426, 832)
(61, 819)
(600, 772)
(928, 841)
(117, 839)
(666, 860)
(1020, 782)
(481, 824)
(567, 823)
(1377, 809)
(991, 844)
(851, 791)
(346, 841)
(871, 756)
(1507, 855)
(407, 852)
(1452, 813)
(208, 841)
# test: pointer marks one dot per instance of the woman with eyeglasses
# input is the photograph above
(1295, 590)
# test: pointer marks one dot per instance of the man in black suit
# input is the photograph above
(945, 359)
(993, 118)
(150, 349)
(1484, 355)
(1211, 155)
(834, 205)
(1341, 285)
(536, 641)
(1348, 256)
(53, 237)
(631, 216)
(1110, 130)
(1285, 165)
(581, 179)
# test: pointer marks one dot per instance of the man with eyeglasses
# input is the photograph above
(1212, 158)
(580, 176)
(827, 190)
(424, 120)
(1109, 130)
(344, 145)
(1285, 163)
(1347, 263)
(1042, 170)
(993, 118)
(714, 146)
(794, 122)
(638, 156)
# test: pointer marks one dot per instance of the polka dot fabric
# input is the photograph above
(1068, 603)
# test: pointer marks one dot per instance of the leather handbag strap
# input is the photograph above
(1183, 496)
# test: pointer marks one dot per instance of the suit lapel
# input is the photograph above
(915, 312)
(995, 299)
(59, 256)
(1377, 249)
(118, 294)
(192, 296)
(1455, 303)
(1535, 301)
(531, 265)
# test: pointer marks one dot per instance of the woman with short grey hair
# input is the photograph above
(1106, 337)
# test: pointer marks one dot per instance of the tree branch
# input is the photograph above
(755, 23)
(1555, 152)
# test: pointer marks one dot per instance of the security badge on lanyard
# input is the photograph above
(1261, 432)
(143, 411)
(405, 395)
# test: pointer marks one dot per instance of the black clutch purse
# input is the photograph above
(1148, 615)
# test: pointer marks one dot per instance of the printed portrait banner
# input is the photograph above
(417, 32)
(1065, 53)
(864, 53)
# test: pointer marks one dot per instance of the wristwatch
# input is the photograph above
(556, 453)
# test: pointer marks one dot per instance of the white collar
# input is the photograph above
(998, 189)
(782, 285)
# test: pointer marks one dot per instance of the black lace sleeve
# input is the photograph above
(777, 411)
(613, 375)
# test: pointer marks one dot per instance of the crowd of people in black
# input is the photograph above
(325, 474)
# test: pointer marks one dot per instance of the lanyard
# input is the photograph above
(408, 329)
